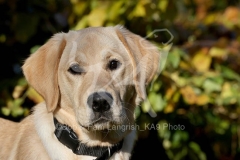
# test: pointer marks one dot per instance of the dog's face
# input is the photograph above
(95, 78)
(96, 74)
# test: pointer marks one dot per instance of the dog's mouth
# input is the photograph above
(102, 123)
(102, 120)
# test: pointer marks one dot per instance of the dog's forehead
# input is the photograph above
(97, 39)
(94, 36)
(93, 43)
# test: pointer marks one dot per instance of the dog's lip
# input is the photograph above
(99, 121)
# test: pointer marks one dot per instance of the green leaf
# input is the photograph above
(18, 102)
(218, 79)
(17, 111)
(211, 86)
(198, 80)
(224, 124)
(228, 73)
(178, 138)
(156, 101)
(6, 111)
(181, 154)
(195, 147)
(34, 48)
(202, 156)
(22, 82)
(156, 86)
(137, 112)
(174, 58)
(197, 150)
(163, 132)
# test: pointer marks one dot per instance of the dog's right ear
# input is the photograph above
(40, 70)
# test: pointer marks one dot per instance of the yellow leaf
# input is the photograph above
(79, 7)
(202, 99)
(202, 61)
(169, 108)
(34, 96)
(170, 92)
(82, 23)
(146, 106)
(184, 65)
(232, 14)
(226, 90)
(114, 10)
(188, 94)
(180, 81)
(18, 90)
(162, 5)
(217, 52)
(139, 10)
(176, 97)
(210, 18)
(97, 17)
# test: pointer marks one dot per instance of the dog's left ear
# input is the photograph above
(144, 57)
(40, 70)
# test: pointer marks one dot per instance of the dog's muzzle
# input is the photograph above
(100, 101)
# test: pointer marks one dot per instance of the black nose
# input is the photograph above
(100, 101)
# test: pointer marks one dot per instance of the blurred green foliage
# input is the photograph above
(198, 88)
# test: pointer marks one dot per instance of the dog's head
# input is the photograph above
(97, 75)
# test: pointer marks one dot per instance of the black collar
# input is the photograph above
(69, 138)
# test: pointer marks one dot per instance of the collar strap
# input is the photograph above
(69, 138)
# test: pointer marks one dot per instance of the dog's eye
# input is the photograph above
(75, 69)
(113, 64)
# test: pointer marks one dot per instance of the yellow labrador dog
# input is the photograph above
(91, 81)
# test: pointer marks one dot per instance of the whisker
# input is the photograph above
(129, 111)
(117, 133)
(106, 135)
(132, 112)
